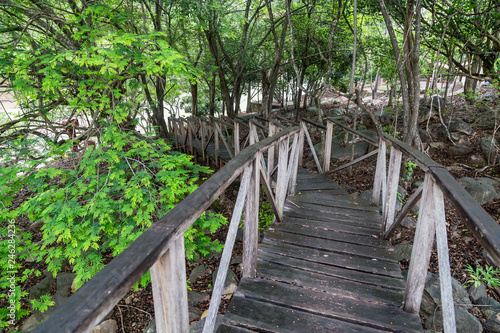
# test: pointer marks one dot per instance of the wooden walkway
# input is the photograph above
(323, 269)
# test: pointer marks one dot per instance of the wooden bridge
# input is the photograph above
(323, 267)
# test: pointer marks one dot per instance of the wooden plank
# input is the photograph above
(380, 180)
(288, 120)
(420, 158)
(361, 135)
(168, 280)
(269, 193)
(301, 147)
(236, 137)
(367, 221)
(332, 246)
(341, 308)
(303, 125)
(422, 247)
(318, 125)
(226, 253)
(328, 146)
(392, 189)
(331, 203)
(324, 233)
(270, 152)
(365, 214)
(256, 316)
(228, 149)
(484, 227)
(281, 179)
(228, 328)
(448, 307)
(412, 201)
(291, 173)
(330, 284)
(336, 270)
(373, 229)
(341, 226)
(341, 260)
(251, 223)
(359, 159)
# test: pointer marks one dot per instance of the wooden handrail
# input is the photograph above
(323, 127)
(90, 304)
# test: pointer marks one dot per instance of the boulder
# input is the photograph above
(461, 126)
(29, 324)
(488, 306)
(459, 150)
(439, 145)
(64, 283)
(424, 136)
(477, 292)
(403, 251)
(437, 102)
(424, 114)
(384, 117)
(489, 148)
(493, 324)
(194, 314)
(460, 139)
(409, 222)
(108, 326)
(489, 96)
(197, 272)
(230, 284)
(466, 323)
(151, 327)
(481, 189)
(197, 327)
(335, 112)
(432, 295)
(195, 298)
(476, 160)
(42, 288)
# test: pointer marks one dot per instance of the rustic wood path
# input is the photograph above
(323, 269)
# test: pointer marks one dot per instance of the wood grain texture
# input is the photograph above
(306, 132)
(251, 223)
(380, 181)
(392, 189)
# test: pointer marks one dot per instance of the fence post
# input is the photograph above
(236, 137)
(251, 222)
(281, 186)
(168, 279)
(217, 148)
(328, 146)
(422, 247)
(270, 151)
(392, 188)
(293, 165)
(380, 182)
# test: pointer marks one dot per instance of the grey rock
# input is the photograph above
(194, 314)
(108, 326)
(409, 222)
(481, 190)
(197, 327)
(339, 153)
(230, 284)
(461, 126)
(237, 260)
(477, 160)
(437, 144)
(493, 324)
(466, 323)
(489, 96)
(195, 298)
(459, 150)
(436, 102)
(197, 272)
(432, 295)
(488, 306)
(403, 251)
(384, 117)
(29, 324)
(151, 327)
(424, 136)
(424, 114)
(42, 288)
(313, 110)
(460, 139)
(489, 148)
(335, 112)
(477, 292)
(64, 283)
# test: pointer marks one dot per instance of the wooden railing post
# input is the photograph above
(270, 152)
(392, 188)
(328, 146)
(168, 279)
(217, 147)
(236, 135)
(380, 182)
(304, 127)
(251, 222)
(422, 247)
(293, 165)
(281, 185)
(301, 147)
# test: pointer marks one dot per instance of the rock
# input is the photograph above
(459, 150)
(42, 288)
(488, 306)
(409, 222)
(477, 292)
(384, 117)
(29, 324)
(108, 326)
(197, 272)
(194, 314)
(480, 189)
(432, 295)
(424, 114)
(489, 148)
(65, 282)
(313, 110)
(461, 126)
(197, 327)
(489, 96)
(477, 160)
(403, 251)
(460, 139)
(493, 324)
(424, 136)
(438, 145)
(437, 102)
(335, 112)
(237, 260)
(195, 298)
(151, 327)
(466, 323)
(230, 284)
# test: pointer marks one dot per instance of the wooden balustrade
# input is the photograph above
(161, 247)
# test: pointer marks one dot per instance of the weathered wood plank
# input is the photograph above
(340, 226)
(392, 189)
(379, 183)
(369, 220)
(328, 146)
(281, 185)
(359, 159)
(251, 223)
(306, 132)
(342, 260)
(339, 209)
(168, 279)
(412, 201)
(343, 308)
(256, 316)
(332, 246)
(330, 284)
(303, 199)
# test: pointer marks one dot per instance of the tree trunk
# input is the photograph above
(194, 99)
(249, 99)
(377, 79)
(211, 88)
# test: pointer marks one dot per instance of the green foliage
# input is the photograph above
(487, 275)
(409, 169)
(43, 304)
(266, 215)
(97, 208)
